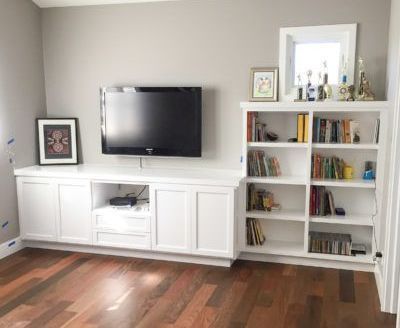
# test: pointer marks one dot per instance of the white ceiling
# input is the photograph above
(67, 3)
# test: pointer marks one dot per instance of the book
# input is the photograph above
(347, 134)
(330, 243)
(260, 165)
(306, 122)
(254, 232)
(355, 132)
(300, 127)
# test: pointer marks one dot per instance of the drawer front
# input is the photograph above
(123, 223)
(122, 240)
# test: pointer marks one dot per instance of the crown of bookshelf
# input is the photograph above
(322, 129)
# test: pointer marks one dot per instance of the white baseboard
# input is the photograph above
(308, 262)
(10, 247)
(130, 253)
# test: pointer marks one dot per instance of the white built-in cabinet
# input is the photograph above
(37, 209)
(187, 219)
(55, 210)
(193, 219)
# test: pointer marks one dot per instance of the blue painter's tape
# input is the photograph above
(5, 224)
(9, 142)
(11, 244)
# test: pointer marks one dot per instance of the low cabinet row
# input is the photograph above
(184, 219)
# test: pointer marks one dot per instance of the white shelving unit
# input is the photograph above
(287, 230)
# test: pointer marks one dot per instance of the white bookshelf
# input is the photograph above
(287, 230)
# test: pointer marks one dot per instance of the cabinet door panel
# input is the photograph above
(213, 227)
(74, 212)
(170, 218)
(37, 209)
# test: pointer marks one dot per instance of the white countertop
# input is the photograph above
(117, 173)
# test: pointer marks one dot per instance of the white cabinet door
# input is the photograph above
(74, 211)
(37, 208)
(170, 222)
(213, 221)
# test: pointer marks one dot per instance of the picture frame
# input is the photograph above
(57, 141)
(264, 84)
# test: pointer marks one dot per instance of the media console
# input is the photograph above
(184, 215)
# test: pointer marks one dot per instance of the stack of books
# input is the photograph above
(255, 234)
(256, 131)
(336, 131)
(302, 127)
(260, 199)
(326, 167)
(259, 165)
(321, 202)
(329, 243)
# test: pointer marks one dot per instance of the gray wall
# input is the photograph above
(22, 97)
(207, 43)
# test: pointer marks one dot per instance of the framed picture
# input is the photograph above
(57, 141)
(264, 84)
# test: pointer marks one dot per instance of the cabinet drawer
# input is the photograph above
(122, 223)
(122, 240)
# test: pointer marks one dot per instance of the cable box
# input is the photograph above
(123, 201)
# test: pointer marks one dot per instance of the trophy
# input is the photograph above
(364, 89)
(299, 89)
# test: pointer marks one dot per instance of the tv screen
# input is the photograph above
(151, 121)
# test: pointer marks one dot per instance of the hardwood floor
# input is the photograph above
(42, 288)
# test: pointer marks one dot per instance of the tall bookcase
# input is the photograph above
(287, 230)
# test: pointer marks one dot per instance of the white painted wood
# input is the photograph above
(213, 221)
(353, 183)
(132, 175)
(116, 251)
(73, 207)
(10, 247)
(362, 220)
(276, 145)
(68, 3)
(285, 180)
(37, 208)
(345, 146)
(285, 215)
(102, 237)
(171, 218)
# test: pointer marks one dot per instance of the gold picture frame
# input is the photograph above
(264, 83)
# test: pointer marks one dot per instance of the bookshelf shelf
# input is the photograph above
(360, 220)
(345, 146)
(278, 247)
(284, 215)
(277, 145)
(353, 183)
(285, 180)
(287, 231)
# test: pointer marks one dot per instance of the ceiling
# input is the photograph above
(67, 3)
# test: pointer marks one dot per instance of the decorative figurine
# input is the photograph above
(299, 89)
(327, 87)
(310, 89)
(343, 87)
(320, 96)
(350, 93)
(364, 89)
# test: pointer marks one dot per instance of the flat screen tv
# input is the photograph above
(146, 121)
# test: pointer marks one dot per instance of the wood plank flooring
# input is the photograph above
(43, 288)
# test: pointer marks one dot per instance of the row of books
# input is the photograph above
(326, 167)
(256, 131)
(329, 243)
(321, 201)
(260, 199)
(259, 165)
(336, 131)
(302, 127)
(255, 235)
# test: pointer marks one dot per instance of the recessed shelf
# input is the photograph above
(345, 146)
(360, 220)
(284, 215)
(277, 247)
(287, 180)
(277, 145)
(353, 183)
(344, 258)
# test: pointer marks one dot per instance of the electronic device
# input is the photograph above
(340, 211)
(358, 249)
(123, 201)
(147, 121)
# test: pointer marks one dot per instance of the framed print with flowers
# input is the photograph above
(264, 84)
(57, 141)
